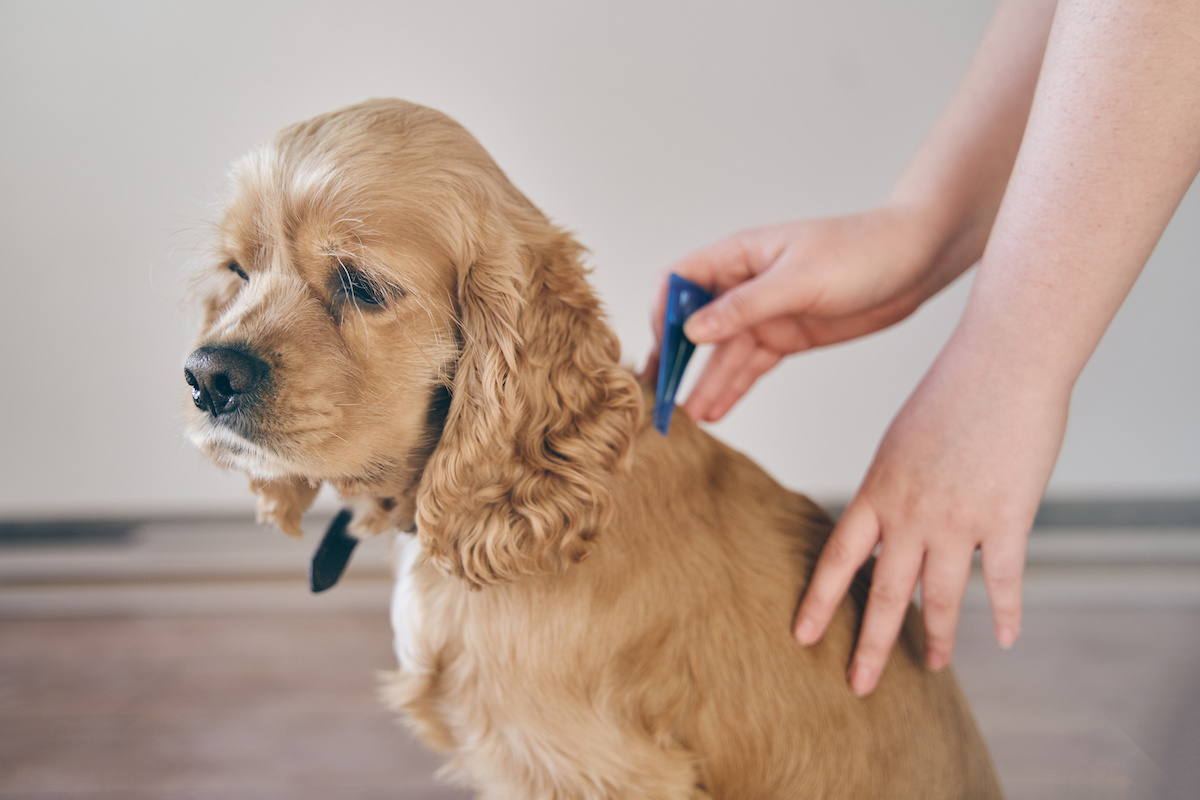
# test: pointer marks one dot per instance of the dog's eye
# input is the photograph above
(236, 268)
(358, 289)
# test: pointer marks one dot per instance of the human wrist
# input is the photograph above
(954, 224)
(1009, 357)
(937, 245)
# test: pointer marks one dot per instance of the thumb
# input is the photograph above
(745, 305)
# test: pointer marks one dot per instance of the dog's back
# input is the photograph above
(663, 664)
(773, 719)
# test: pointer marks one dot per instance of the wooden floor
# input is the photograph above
(191, 664)
(247, 706)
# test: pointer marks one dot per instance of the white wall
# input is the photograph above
(649, 128)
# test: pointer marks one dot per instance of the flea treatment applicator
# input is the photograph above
(684, 298)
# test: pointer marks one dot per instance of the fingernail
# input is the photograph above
(1006, 637)
(806, 632)
(699, 327)
(936, 661)
(860, 681)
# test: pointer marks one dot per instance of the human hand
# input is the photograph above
(792, 287)
(963, 466)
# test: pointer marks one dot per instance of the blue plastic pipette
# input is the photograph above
(683, 299)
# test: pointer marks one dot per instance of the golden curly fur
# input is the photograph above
(588, 610)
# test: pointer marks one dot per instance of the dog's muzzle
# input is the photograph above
(223, 378)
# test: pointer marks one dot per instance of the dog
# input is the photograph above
(584, 608)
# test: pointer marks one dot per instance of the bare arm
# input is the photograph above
(1112, 146)
(1113, 142)
(958, 176)
(791, 287)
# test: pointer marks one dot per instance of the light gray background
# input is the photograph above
(649, 128)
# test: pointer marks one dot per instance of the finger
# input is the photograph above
(746, 304)
(943, 584)
(892, 585)
(723, 364)
(851, 542)
(658, 308)
(1003, 565)
(649, 373)
(761, 361)
(720, 266)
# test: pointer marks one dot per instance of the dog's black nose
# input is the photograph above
(221, 377)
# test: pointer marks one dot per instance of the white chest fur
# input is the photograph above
(406, 604)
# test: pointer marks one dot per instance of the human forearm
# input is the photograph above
(1112, 144)
(958, 176)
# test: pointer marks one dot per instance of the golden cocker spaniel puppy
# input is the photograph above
(587, 609)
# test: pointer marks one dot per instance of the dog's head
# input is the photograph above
(386, 313)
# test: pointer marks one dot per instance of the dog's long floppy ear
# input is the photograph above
(542, 416)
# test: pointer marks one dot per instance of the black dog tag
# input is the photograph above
(332, 555)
